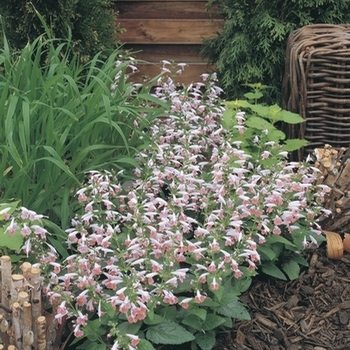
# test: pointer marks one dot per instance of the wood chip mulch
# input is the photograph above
(310, 313)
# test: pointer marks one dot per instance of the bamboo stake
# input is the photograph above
(6, 282)
(41, 338)
(28, 334)
(16, 286)
(16, 325)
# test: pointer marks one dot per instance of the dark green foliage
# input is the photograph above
(251, 46)
(91, 23)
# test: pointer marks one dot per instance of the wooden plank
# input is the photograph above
(156, 53)
(167, 31)
(162, 10)
(191, 74)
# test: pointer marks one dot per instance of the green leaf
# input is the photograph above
(253, 95)
(13, 242)
(194, 322)
(168, 313)
(300, 260)
(272, 270)
(129, 328)
(11, 205)
(291, 118)
(267, 252)
(234, 310)
(206, 340)
(145, 345)
(276, 238)
(153, 319)
(228, 120)
(291, 145)
(201, 313)
(292, 269)
(212, 321)
(259, 123)
(168, 333)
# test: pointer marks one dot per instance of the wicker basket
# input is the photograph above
(317, 84)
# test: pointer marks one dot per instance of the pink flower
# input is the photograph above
(199, 298)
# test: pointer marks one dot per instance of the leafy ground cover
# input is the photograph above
(162, 256)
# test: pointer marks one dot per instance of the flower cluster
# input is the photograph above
(24, 231)
(192, 218)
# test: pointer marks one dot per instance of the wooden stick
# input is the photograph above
(35, 281)
(16, 325)
(28, 334)
(16, 286)
(6, 283)
(41, 339)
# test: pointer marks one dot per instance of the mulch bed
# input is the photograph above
(310, 313)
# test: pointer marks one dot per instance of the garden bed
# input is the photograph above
(311, 312)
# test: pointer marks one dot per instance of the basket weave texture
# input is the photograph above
(317, 84)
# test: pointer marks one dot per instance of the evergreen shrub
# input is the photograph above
(91, 23)
(251, 46)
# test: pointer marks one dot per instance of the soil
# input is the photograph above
(309, 313)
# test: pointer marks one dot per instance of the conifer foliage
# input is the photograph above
(251, 46)
(91, 23)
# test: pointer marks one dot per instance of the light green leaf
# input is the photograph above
(294, 144)
(206, 341)
(13, 242)
(292, 269)
(291, 118)
(168, 333)
(259, 123)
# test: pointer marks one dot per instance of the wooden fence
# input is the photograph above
(167, 30)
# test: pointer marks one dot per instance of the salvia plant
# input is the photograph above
(164, 258)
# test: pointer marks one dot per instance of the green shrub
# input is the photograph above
(91, 22)
(251, 46)
(61, 120)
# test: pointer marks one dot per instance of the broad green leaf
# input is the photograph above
(206, 340)
(292, 269)
(253, 95)
(13, 242)
(212, 321)
(259, 123)
(272, 270)
(291, 118)
(168, 312)
(201, 313)
(145, 345)
(267, 252)
(291, 145)
(193, 322)
(227, 117)
(300, 260)
(129, 328)
(234, 310)
(153, 319)
(168, 333)
(276, 238)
